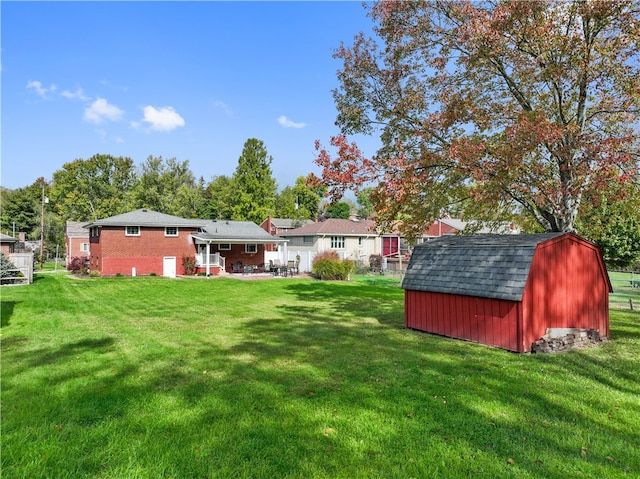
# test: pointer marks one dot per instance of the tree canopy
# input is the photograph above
(521, 107)
(301, 196)
(167, 186)
(96, 188)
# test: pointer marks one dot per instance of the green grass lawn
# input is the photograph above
(224, 378)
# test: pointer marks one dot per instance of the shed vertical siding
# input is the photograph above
(567, 287)
(481, 320)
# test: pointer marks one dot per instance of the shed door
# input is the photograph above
(169, 266)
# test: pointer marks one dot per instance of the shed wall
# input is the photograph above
(567, 287)
(481, 320)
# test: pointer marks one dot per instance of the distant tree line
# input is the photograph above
(104, 185)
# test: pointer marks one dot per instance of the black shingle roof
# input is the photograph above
(488, 266)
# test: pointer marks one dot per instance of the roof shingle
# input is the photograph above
(335, 226)
(489, 266)
(146, 217)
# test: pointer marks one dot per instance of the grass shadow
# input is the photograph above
(6, 311)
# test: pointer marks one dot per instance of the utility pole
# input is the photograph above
(42, 230)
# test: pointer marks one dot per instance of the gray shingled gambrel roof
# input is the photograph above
(148, 218)
(227, 231)
(488, 266)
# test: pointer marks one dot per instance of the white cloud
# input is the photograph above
(100, 110)
(220, 105)
(75, 95)
(41, 90)
(286, 123)
(162, 119)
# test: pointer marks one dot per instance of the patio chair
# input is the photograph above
(275, 267)
(237, 267)
(291, 267)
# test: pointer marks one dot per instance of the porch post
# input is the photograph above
(208, 251)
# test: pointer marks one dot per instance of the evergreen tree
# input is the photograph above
(254, 186)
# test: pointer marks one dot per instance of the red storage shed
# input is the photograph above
(506, 290)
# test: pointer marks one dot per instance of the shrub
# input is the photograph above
(5, 270)
(189, 264)
(327, 254)
(78, 265)
(375, 262)
(94, 274)
(327, 265)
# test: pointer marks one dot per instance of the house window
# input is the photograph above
(307, 239)
(171, 231)
(224, 246)
(84, 247)
(132, 231)
(337, 242)
(251, 248)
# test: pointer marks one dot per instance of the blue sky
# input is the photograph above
(190, 80)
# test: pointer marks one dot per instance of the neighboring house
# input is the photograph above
(277, 226)
(506, 290)
(352, 239)
(452, 226)
(147, 242)
(76, 240)
(394, 243)
(15, 252)
(7, 244)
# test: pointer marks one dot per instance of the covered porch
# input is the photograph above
(218, 253)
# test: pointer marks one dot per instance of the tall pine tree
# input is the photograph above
(255, 187)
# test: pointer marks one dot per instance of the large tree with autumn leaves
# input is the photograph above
(516, 107)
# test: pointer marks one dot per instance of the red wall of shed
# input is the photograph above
(482, 320)
(568, 287)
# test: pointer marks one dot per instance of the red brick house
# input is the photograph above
(77, 243)
(7, 243)
(145, 242)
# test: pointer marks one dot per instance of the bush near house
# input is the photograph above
(189, 264)
(78, 265)
(375, 262)
(7, 270)
(327, 265)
